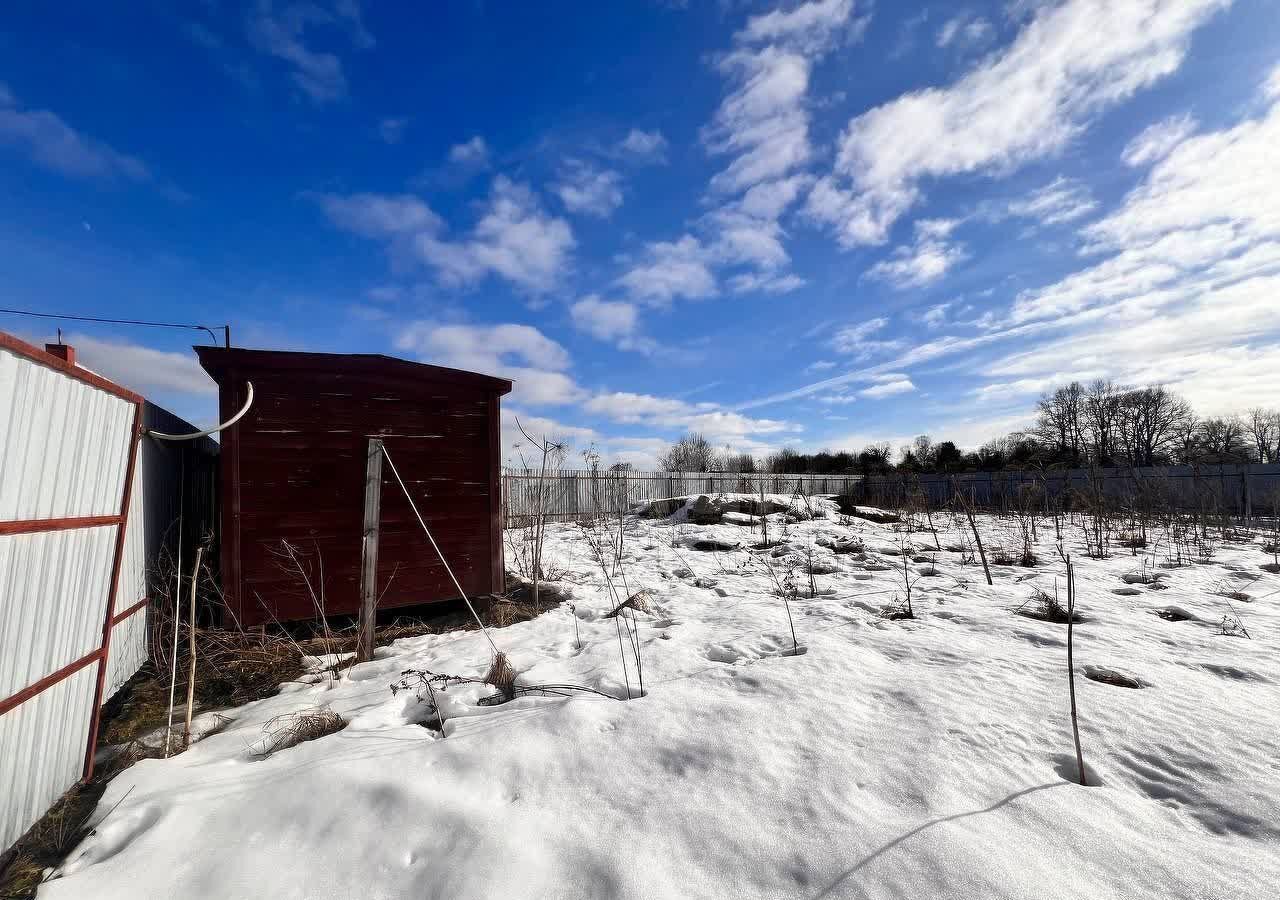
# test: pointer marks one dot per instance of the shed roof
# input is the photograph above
(218, 361)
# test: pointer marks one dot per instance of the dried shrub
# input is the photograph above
(1002, 557)
(1046, 607)
(290, 729)
(502, 675)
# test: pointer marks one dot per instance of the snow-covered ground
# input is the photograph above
(889, 758)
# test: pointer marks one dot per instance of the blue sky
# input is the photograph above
(809, 224)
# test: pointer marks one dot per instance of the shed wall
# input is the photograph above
(293, 473)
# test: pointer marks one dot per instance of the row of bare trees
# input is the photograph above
(1106, 423)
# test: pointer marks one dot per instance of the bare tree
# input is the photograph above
(1264, 428)
(1222, 439)
(552, 456)
(1101, 413)
(1150, 420)
(1059, 418)
(692, 453)
(733, 461)
(1186, 439)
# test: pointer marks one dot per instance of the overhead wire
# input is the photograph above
(107, 321)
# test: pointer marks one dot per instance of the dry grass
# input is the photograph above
(65, 825)
(290, 729)
(639, 601)
(502, 675)
(1046, 607)
(48, 842)
(232, 668)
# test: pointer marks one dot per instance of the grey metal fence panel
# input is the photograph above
(1236, 489)
(572, 494)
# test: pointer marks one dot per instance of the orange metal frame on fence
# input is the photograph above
(120, 520)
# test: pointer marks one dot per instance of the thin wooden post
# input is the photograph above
(1071, 670)
(191, 650)
(369, 549)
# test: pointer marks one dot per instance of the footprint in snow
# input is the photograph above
(111, 836)
(748, 650)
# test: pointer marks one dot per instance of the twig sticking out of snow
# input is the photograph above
(1071, 672)
(420, 679)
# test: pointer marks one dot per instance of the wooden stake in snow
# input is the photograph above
(968, 511)
(369, 549)
(177, 604)
(191, 648)
(1071, 671)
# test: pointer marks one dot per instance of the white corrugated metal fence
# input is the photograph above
(67, 439)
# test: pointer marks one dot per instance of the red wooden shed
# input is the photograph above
(293, 480)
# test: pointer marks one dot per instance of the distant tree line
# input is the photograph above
(1077, 425)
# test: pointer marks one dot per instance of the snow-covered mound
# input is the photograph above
(871, 757)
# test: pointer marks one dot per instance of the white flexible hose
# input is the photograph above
(199, 434)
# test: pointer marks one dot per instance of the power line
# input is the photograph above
(226, 329)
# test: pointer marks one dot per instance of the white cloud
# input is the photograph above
(762, 125)
(1061, 200)
(582, 188)
(1220, 348)
(763, 121)
(935, 316)
(856, 340)
(517, 447)
(604, 319)
(55, 145)
(379, 215)
(1271, 84)
(888, 388)
(632, 408)
(810, 26)
(514, 239)
(484, 348)
(768, 200)
(611, 320)
(923, 262)
(671, 270)
(1183, 294)
(746, 232)
(539, 387)
(764, 283)
(473, 153)
(1204, 216)
(643, 146)
(718, 425)
(820, 365)
(143, 369)
(280, 30)
(964, 30)
(521, 353)
(1155, 141)
(1071, 62)
(392, 128)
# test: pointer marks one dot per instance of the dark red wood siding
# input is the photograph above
(293, 471)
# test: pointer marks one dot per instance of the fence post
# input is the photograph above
(369, 549)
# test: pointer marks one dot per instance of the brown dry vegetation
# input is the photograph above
(232, 668)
